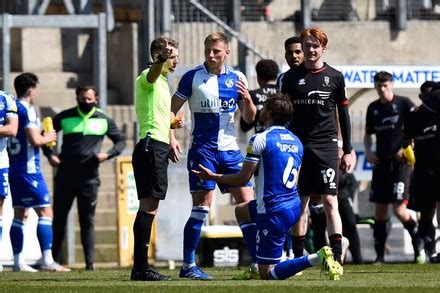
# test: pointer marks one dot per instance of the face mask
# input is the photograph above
(86, 107)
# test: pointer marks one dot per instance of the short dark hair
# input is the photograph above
(267, 69)
(433, 99)
(23, 82)
(162, 42)
(85, 87)
(436, 87)
(383, 76)
(292, 40)
(280, 108)
(427, 86)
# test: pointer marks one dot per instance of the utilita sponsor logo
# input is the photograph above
(218, 103)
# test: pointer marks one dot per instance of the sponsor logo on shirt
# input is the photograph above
(430, 128)
(323, 95)
(218, 103)
(390, 119)
(284, 136)
(319, 98)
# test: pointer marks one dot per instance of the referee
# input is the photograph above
(150, 156)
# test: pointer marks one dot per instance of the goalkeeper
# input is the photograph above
(84, 128)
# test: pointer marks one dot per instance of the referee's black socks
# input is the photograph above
(142, 233)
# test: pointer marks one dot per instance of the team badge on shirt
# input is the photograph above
(229, 83)
(326, 81)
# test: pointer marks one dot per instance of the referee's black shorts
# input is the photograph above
(150, 169)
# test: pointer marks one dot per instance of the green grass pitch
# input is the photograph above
(360, 278)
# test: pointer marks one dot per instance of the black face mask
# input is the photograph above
(86, 107)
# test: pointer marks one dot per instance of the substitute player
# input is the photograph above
(389, 185)
(214, 92)
(277, 154)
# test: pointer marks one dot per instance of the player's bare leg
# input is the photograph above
(243, 196)
(334, 224)
(401, 212)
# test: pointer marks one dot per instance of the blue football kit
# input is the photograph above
(28, 187)
(277, 207)
(213, 101)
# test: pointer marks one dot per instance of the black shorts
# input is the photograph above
(150, 169)
(390, 182)
(319, 171)
(425, 187)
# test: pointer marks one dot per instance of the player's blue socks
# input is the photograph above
(16, 234)
(290, 267)
(249, 231)
(44, 233)
(191, 233)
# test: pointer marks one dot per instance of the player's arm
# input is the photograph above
(10, 127)
(247, 107)
(368, 139)
(345, 128)
(36, 139)
(407, 141)
(237, 179)
(368, 143)
(244, 126)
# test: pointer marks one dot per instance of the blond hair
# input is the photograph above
(216, 37)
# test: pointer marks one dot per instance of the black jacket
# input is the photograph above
(82, 138)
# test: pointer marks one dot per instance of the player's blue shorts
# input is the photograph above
(272, 230)
(222, 162)
(4, 181)
(29, 190)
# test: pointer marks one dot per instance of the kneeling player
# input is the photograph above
(274, 156)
